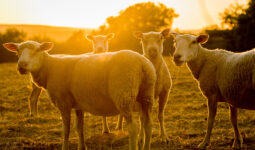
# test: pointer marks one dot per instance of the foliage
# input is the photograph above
(244, 30)
(10, 35)
(230, 15)
(75, 44)
(240, 31)
(139, 17)
(144, 17)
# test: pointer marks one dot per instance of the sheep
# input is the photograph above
(152, 43)
(100, 45)
(223, 76)
(100, 42)
(104, 84)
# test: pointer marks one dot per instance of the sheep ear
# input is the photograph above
(138, 34)
(174, 34)
(203, 38)
(46, 46)
(166, 32)
(110, 36)
(90, 37)
(13, 47)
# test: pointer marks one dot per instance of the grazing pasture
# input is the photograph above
(185, 118)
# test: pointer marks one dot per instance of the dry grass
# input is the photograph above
(185, 119)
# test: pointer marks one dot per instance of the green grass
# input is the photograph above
(185, 118)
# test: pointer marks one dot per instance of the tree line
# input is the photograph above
(145, 17)
(237, 33)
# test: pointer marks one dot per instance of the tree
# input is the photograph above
(145, 17)
(230, 15)
(75, 44)
(10, 35)
(242, 23)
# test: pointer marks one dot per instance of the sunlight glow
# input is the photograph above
(92, 13)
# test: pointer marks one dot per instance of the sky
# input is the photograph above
(193, 14)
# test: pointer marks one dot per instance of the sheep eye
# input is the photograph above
(193, 42)
(145, 40)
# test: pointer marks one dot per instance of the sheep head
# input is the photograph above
(186, 47)
(100, 42)
(152, 42)
(30, 54)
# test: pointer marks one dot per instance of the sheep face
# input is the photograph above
(30, 54)
(186, 47)
(100, 42)
(152, 42)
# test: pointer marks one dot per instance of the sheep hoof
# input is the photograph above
(32, 114)
(238, 144)
(203, 145)
(119, 128)
(164, 139)
(140, 144)
(65, 146)
(106, 132)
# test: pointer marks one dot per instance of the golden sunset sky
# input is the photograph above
(193, 14)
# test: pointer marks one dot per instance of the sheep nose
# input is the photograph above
(153, 49)
(22, 67)
(177, 57)
(23, 64)
(99, 49)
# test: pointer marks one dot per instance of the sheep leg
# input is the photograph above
(238, 142)
(79, 125)
(163, 97)
(66, 116)
(33, 99)
(141, 134)
(120, 123)
(105, 125)
(147, 124)
(132, 130)
(212, 106)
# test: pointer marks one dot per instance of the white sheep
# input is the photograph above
(223, 76)
(102, 84)
(100, 45)
(100, 42)
(152, 43)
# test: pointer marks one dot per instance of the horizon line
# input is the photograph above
(24, 24)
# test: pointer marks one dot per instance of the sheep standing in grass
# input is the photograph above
(102, 84)
(100, 44)
(223, 76)
(152, 43)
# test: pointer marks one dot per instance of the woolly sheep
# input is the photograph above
(100, 45)
(152, 43)
(223, 76)
(100, 42)
(102, 84)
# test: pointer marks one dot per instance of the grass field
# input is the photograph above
(185, 119)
